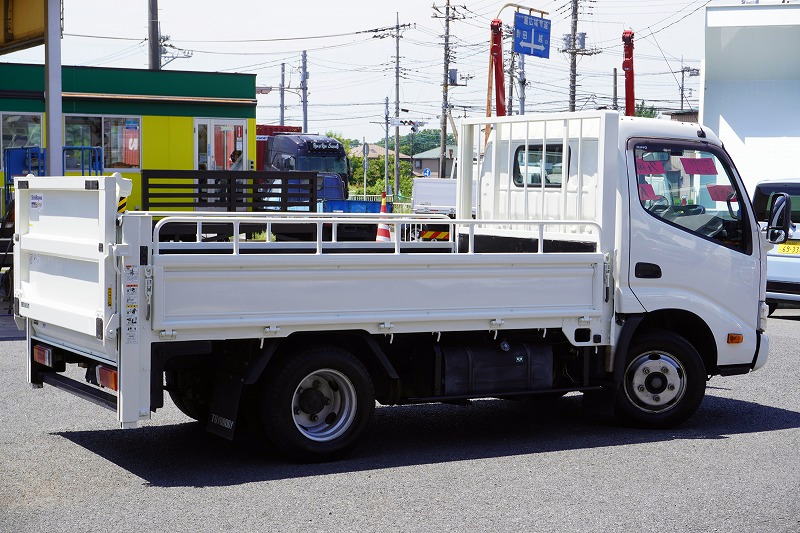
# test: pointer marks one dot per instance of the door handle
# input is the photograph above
(647, 271)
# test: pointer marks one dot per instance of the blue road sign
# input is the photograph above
(426, 172)
(531, 35)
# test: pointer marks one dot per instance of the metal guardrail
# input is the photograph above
(231, 190)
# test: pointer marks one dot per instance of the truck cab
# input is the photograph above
(318, 153)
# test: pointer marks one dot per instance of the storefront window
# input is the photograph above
(121, 142)
(21, 130)
(80, 131)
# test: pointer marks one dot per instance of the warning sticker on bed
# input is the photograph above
(131, 323)
(37, 200)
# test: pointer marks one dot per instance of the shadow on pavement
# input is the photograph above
(8, 329)
(184, 455)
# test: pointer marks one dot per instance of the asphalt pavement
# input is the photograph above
(491, 466)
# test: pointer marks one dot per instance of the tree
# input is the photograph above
(415, 143)
(643, 111)
(339, 137)
(375, 177)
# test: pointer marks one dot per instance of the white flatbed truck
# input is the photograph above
(620, 277)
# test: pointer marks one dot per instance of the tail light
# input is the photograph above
(107, 377)
(43, 355)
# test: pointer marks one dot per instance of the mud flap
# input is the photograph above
(229, 386)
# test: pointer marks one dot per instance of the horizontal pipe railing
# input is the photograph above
(397, 223)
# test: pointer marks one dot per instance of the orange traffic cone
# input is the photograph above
(383, 234)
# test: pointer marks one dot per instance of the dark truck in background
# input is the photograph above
(285, 148)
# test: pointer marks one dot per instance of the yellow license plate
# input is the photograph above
(789, 247)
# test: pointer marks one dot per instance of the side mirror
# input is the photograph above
(780, 218)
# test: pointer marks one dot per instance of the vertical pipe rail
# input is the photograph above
(564, 171)
(579, 172)
(525, 178)
(540, 247)
(481, 160)
(542, 171)
(510, 167)
(471, 246)
(495, 159)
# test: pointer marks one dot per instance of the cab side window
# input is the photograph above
(528, 167)
(693, 190)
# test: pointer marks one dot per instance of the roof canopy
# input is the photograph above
(95, 90)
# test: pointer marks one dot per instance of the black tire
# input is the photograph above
(281, 401)
(190, 391)
(664, 381)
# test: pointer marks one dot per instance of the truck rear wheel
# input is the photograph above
(664, 381)
(317, 404)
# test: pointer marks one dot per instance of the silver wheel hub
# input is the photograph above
(655, 381)
(324, 405)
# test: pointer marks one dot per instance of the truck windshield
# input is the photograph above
(693, 190)
(337, 164)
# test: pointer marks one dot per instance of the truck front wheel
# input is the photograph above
(317, 403)
(664, 381)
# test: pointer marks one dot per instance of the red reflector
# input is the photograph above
(107, 377)
(43, 355)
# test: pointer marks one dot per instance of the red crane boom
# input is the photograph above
(627, 66)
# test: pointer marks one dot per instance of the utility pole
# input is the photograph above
(397, 104)
(575, 45)
(153, 36)
(445, 105)
(683, 84)
(304, 91)
(386, 150)
(365, 152)
(510, 104)
(282, 92)
(522, 83)
(691, 72)
(614, 105)
(52, 83)
(573, 56)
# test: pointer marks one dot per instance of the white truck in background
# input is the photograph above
(588, 280)
(434, 196)
(750, 91)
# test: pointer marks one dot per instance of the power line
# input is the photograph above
(105, 37)
(278, 39)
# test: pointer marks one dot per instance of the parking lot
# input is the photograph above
(493, 465)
